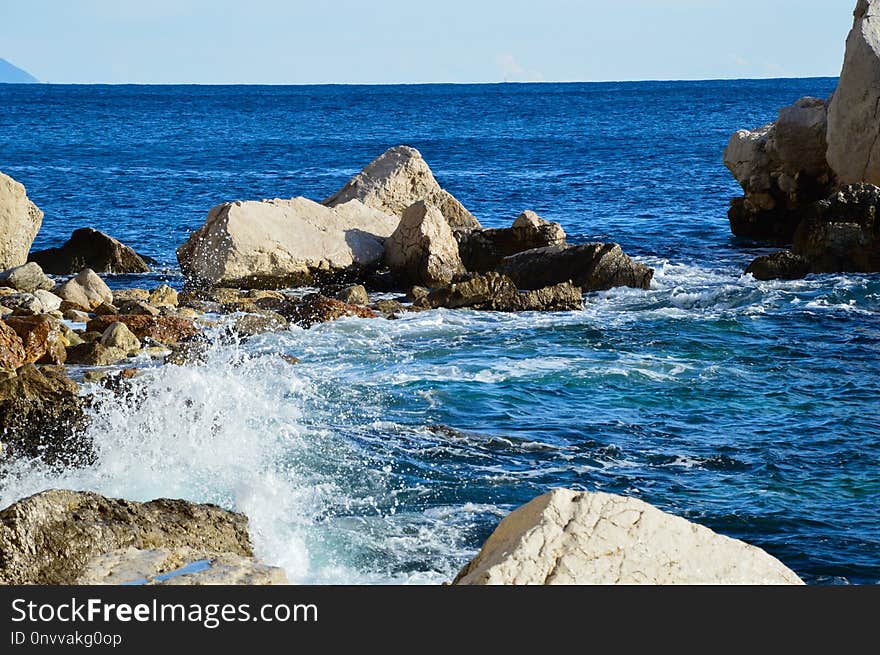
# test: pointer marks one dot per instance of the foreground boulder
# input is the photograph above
(283, 243)
(482, 251)
(43, 337)
(781, 168)
(89, 248)
(567, 537)
(41, 416)
(86, 290)
(591, 266)
(495, 292)
(853, 126)
(422, 250)
(395, 180)
(54, 536)
(20, 220)
(27, 277)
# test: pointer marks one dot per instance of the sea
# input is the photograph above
(390, 452)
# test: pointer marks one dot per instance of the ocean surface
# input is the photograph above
(391, 451)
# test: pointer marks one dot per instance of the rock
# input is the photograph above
(782, 169)
(853, 127)
(41, 416)
(76, 316)
(784, 265)
(94, 353)
(43, 338)
(483, 250)
(27, 277)
(422, 250)
(568, 537)
(283, 243)
(249, 325)
(106, 309)
(50, 301)
(24, 304)
(89, 248)
(320, 309)
(122, 295)
(54, 537)
(86, 290)
(164, 329)
(179, 566)
(397, 179)
(163, 296)
(20, 220)
(496, 292)
(592, 267)
(417, 293)
(12, 354)
(388, 307)
(138, 308)
(117, 335)
(354, 294)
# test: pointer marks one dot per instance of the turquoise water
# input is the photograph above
(390, 452)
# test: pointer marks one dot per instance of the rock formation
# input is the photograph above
(566, 537)
(395, 180)
(483, 250)
(495, 292)
(20, 220)
(89, 248)
(422, 250)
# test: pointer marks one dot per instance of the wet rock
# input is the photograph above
(164, 329)
(89, 248)
(12, 354)
(43, 338)
(27, 277)
(55, 536)
(86, 290)
(483, 250)
(20, 220)
(592, 267)
(784, 265)
(416, 293)
(41, 416)
(118, 336)
(388, 307)
(163, 296)
(320, 309)
(249, 325)
(566, 537)
(422, 250)
(188, 353)
(94, 353)
(496, 292)
(354, 294)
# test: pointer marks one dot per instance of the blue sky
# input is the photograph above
(408, 41)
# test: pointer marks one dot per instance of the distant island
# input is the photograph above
(11, 74)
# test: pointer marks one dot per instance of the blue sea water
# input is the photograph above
(391, 451)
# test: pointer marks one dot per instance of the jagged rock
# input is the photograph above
(43, 338)
(568, 537)
(496, 292)
(397, 179)
(354, 294)
(20, 220)
(12, 354)
(282, 243)
(320, 309)
(853, 127)
(41, 415)
(117, 335)
(422, 250)
(483, 250)
(163, 296)
(27, 277)
(54, 537)
(94, 353)
(89, 248)
(86, 290)
(164, 329)
(591, 266)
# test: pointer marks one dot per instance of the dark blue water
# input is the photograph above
(391, 451)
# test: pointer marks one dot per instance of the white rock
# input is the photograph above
(854, 114)
(279, 243)
(86, 290)
(566, 537)
(395, 180)
(423, 249)
(27, 277)
(50, 301)
(20, 220)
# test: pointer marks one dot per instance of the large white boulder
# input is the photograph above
(422, 250)
(568, 537)
(20, 220)
(854, 113)
(280, 243)
(395, 180)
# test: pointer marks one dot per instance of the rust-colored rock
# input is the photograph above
(11, 348)
(320, 309)
(164, 329)
(42, 337)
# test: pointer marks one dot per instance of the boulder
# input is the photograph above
(397, 179)
(25, 304)
(591, 266)
(27, 277)
(320, 309)
(94, 353)
(248, 325)
(54, 537)
(117, 335)
(783, 265)
(283, 243)
(89, 248)
(164, 329)
(853, 120)
(163, 296)
(137, 307)
(496, 292)
(20, 220)
(43, 338)
(122, 295)
(781, 168)
(568, 537)
(86, 290)
(12, 354)
(483, 250)
(50, 301)
(41, 415)
(422, 250)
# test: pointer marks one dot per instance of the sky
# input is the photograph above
(413, 41)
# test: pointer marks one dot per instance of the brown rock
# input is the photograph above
(320, 309)
(12, 354)
(43, 338)
(89, 248)
(164, 329)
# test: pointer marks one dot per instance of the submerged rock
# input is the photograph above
(496, 292)
(20, 220)
(397, 179)
(423, 250)
(320, 309)
(282, 243)
(27, 277)
(54, 537)
(567, 537)
(89, 248)
(483, 250)
(86, 290)
(591, 266)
